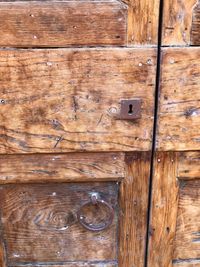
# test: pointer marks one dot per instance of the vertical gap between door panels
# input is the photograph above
(156, 102)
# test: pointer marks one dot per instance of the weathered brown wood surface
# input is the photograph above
(61, 168)
(143, 22)
(175, 213)
(63, 23)
(133, 210)
(84, 264)
(188, 165)
(187, 241)
(40, 223)
(63, 100)
(180, 23)
(163, 210)
(179, 110)
(186, 263)
(195, 30)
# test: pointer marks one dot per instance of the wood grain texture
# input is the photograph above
(163, 210)
(2, 251)
(187, 240)
(63, 23)
(179, 101)
(195, 30)
(177, 21)
(188, 165)
(143, 22)
(187, 263)
(76, 264)
(133, 210)
(61, 168)
(40, 223)
(63, 100)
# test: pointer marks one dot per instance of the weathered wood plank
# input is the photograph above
(188, 165)
(143, 22)
(187, 263)
(195, 30)
(163, 210)
(61, 168)
(63, 100)
(62, 23)
(2, 251)
(65, 23)
(133, 210)
(177, 21)
(187, 241)
(40, 223)
(179, 102)
(77, 264)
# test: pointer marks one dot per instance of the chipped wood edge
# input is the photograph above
(164, 209)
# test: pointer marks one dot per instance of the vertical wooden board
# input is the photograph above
(187, 240)
(63, 100)
(63, 23)
(195, 30)
(179, 102)
(143, 16)
(40, 223)
(163, 210)
(133, 210)
(177, 21)
(2, 252)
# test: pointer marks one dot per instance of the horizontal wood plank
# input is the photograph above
(61, 168)
(63, 100)
(179, 101)
(40, 223)
(187, 240)
(62, 23)
(75, 264)
(188, 165)
(186, 263)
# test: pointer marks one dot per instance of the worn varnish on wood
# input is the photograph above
(64, 100)
(66, 23)
(63, 23)
(40, 223)
(181, 22)
(179, 110)
(134, 191)
(175, 215)
(61, 168)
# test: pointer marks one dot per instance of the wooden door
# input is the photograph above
(175, 208)
(77, 81)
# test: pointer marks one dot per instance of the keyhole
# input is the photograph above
(130, 111)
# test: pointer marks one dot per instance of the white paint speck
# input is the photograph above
(54, 194)
(49, 64)
(140, 64)
(35, 37)
(171, 60)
